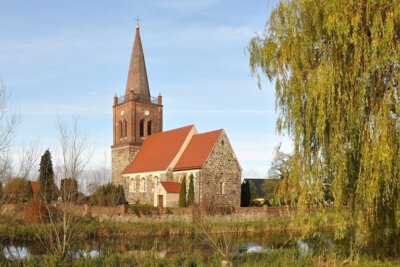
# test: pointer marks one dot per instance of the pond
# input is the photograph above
(164, 247)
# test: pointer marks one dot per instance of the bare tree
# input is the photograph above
(74, 157)
(99, 176)
(28, 157)
(8, 120)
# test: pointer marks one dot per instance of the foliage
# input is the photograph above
(46, 178)
(108, 195)
(336, 68)
(190, 200)
(18, 190)
(280, 165)
(253, 189)
(245, 195)
(69, 189)
(268, 187)
(182, 194)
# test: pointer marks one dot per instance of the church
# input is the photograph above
(151, 163)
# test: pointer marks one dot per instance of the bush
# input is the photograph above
(108, 195)
(18, 190)
(36, 212)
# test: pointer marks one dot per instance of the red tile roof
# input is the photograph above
(198, 150)
(158, 151)
(171, 187)
(35, 186)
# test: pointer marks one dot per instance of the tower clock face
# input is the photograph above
(146, 112)
(122, 113)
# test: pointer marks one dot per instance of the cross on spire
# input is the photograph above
(137, 21)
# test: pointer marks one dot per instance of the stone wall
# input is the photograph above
(221, 177)
(120, 158)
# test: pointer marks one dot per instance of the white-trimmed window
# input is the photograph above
(132, 185)
(143, 184)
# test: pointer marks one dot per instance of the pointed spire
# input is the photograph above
(137, 75)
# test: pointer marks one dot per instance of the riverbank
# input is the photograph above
(96, 227)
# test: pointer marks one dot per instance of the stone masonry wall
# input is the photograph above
(222, 166)
(120, 158)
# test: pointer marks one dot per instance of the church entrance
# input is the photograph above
(160, 201)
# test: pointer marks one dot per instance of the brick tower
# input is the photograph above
(136, 114)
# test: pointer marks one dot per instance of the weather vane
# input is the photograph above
(137, 21)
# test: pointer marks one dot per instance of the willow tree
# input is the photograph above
(336, 66)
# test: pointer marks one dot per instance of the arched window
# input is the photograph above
(222, 187)
(125, 128)
(141, 127)
(149, 127)
(156, 181)
(143, 184)
(132, 185)
(120, 129)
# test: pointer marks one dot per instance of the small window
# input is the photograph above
(125, 128)
(149, 127)
(222, 187)
(143, 184)
(141, 128)
(132, 185)
(120, 129)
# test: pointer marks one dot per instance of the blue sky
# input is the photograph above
(71, 57)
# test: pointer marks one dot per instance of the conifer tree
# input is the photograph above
(182, 194)
(245, 194)
(191, 191)
(46, 178)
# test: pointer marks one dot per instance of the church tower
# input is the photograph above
(136, 114)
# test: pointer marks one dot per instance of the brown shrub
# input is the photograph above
(18, 190)
(36, 212)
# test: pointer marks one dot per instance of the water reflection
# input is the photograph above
(164, 247)
(13, 252)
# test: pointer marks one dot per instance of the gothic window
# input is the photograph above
(149, 128)
(143, 184)
(141, 126)
(156, 181)
(125, 128)
(222, 187)
(120, 129)
(132, 185)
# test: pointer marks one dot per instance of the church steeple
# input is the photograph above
(137, 75)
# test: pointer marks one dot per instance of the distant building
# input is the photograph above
(143, 156)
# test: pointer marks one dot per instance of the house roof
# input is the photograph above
(159, 150)
(171, 187)
(35, 186)
(197, 151)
